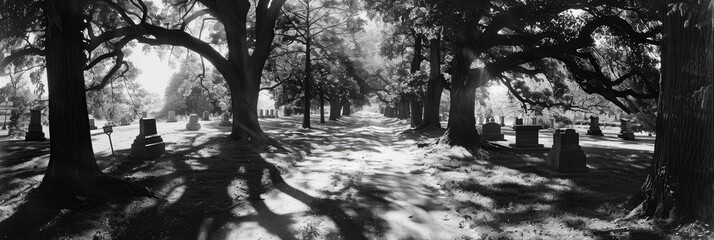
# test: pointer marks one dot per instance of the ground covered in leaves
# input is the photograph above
(361, 177)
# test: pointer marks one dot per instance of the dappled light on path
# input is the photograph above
(361, 177)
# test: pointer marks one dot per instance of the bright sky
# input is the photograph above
(155, 72)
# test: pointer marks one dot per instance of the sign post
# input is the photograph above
(108, 130)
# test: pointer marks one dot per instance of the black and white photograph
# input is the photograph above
(356, 119)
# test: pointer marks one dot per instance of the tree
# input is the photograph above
(249, 44)
(492, 39)
(679, 186)
(316, 25)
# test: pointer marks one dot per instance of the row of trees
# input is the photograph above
(608, 47)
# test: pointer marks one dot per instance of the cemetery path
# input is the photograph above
(378, 175)
(359, 178)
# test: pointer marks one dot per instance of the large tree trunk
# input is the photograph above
(416, 103)
(245, 85)
(679, 186)
(335, 107)
(307, 85)
(322, 107)
(417, 107)
(434, 88)
(72, 170)
(462, 123)
(244, 104)
(404, 111)
(346, 107)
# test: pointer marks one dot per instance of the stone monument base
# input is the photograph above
(627, 136)
(193, 126)
(570, 159)
(595, 132)
(35, 136)
(147, 148)
(526, 146)
(493, 137)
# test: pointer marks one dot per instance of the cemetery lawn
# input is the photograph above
(361, 177)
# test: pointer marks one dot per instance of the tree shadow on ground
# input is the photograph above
(513, 198)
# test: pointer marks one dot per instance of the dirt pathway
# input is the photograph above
(378, 176)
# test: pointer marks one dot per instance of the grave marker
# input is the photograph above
(626, 132)
(124, 121)
(193, 124)
(226, 121)
(527, 137)
(503, 121)
(148, 144)
(172, 117)
(92, 125)
(206, 116)
(34, 131)
(567, 156)
(519, 121)
(492, 132)
(594, 126)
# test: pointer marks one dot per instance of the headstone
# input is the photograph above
(193, 124)
(148, 144)
(492, 132)
(534, 121)
(566, 156)
(277, 113)
(206, 116)
(144, 115)
(171, 117)
(626, 132)
(594, 126)
(261, 114)
(480, 120)
(124, 121)
(527, 136)
(519, 121)
(92, 125)
(226, 121)
(34, 131)
(552, 123)
(503, 121)
(272, 113)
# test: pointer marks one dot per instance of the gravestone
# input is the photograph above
(124, 121)
(172, 117)
(552, 123)
(34, 131)
(226, 121)
(594, 126)
(148, 144)
(193, 124)
(527, 137)
(503, 121)
(626, 132)
(92, 125)
(277, 113)
(480, 120)
(144, 115)
(519, 121)
(492, 132)
(261, 114)
(566, 156)
(534, 121)
(206, 116)
(272, 113)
